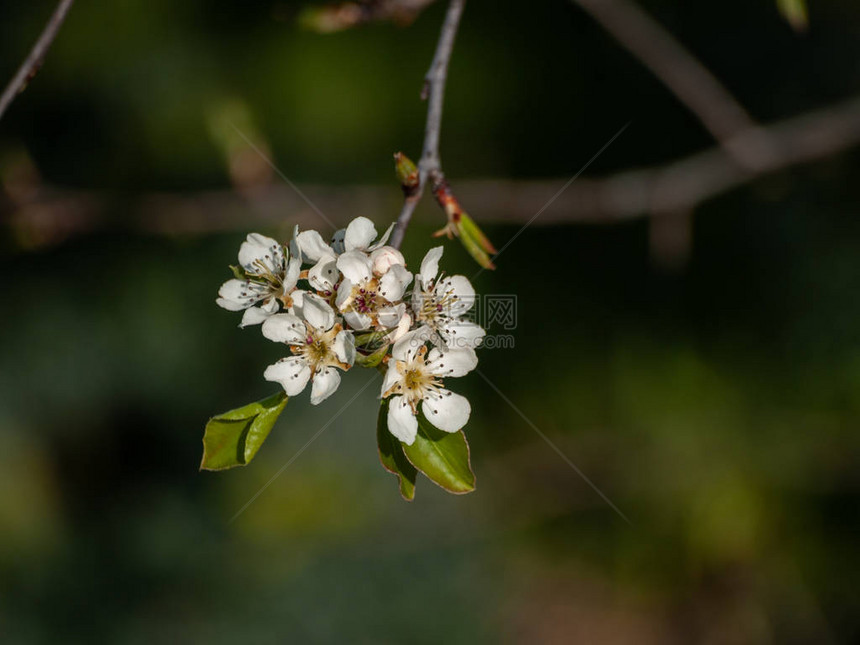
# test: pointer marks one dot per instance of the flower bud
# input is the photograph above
(384, 258)
(407, 173)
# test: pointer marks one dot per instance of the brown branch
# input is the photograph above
(690, 81)
(34, 61)
(434, 92)
(42, 215)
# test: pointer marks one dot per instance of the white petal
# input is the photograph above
(407, 347)
(298, 297)
(317, 312)
(230, 305)
(235, 295)
(344, 347)
(382, 240)
(454, 362)
(312, 246)
(394, 283)
(430, 263)
(292, 373)
(384, 258)
(390, 317)
(323, 275)
(337, 241)
(254, 316)
(260, 249)
(401, 422)
(295, 251)
(391, 378)
(359, 234)
(284, 328)
(294, 268)
(270, 306)
(417, 296)
(324, 384)
(357, 321)
(446, 410)
(344, 291)
(403, 326)
(462, 334)
(355, 266)
(460, 293)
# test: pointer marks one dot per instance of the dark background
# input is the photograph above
(716, 404)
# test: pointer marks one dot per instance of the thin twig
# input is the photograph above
(34, 61)
(434, 92)
(690, 81)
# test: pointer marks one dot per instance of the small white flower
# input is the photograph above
(270, 277)
(318, 344)
(367, 300)
(414, 376)
(439, 305)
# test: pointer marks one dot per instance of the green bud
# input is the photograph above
(407, 172)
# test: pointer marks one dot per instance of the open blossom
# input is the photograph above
(414, 377)
(320, 348)
(368, 300)
(358, 236)
(438, 306)
(270, 277)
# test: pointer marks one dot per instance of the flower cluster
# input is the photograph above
(346, 303)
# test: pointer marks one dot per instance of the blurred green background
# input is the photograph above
(716, 404)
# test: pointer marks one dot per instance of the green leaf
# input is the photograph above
(443, 457)
(371, 360)
(469, 227)
(392, 457)
(475, 241)
(796, 12)
(234, 437)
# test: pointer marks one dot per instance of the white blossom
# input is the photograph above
(367, 300)
(439, 305)
(320, 348)
(414, 377)
(270, 277)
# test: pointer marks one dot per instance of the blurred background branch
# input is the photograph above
(687, 78)
(41, 212)
(33, 62)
